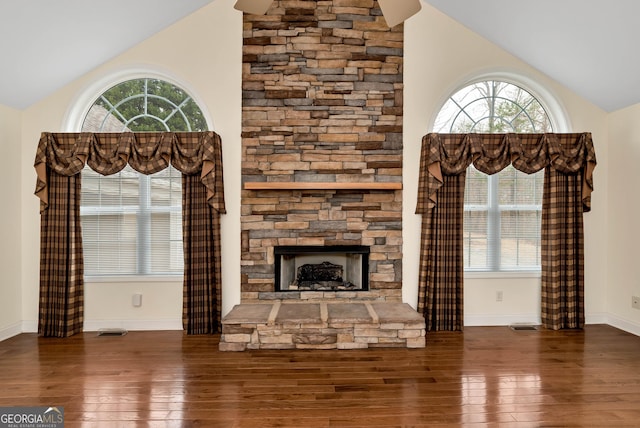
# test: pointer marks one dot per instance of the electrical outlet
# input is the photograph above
(498, 296)
(136, 300)
(635, 302)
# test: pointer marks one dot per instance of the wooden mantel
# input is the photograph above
(296, 185)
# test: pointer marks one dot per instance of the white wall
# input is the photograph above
(203, 52)
(623, 230)
(440, 57)
(10, 284)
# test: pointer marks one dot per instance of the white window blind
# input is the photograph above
(132, 224)
(502, 220)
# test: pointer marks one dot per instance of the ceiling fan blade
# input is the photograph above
(397, 11)
(255, 7)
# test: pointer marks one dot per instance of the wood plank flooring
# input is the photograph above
(485, 376)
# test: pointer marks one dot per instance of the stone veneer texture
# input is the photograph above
(322, 102)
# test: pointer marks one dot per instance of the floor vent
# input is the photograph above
(112, 332)
(523, 327)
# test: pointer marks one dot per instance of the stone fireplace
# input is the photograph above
(322, 145)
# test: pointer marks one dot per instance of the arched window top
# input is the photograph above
(144, 105)
(493, 106)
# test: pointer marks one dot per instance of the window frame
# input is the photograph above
(74, 119)
(559, 122)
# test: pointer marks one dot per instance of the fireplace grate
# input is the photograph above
(321, 268)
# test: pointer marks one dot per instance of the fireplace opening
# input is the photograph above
(315, 268)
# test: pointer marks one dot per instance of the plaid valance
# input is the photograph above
(191, 153)
(451, 154)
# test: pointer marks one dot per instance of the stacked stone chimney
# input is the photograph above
(322, 103)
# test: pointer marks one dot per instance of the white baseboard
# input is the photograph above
(133, 325)
(10, 331)
(597, 318)
(505, 320)
(30, 326)
(500, 320)
(623, 324)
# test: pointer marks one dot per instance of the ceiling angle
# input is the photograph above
(394, 11)
(255, 7)
(397, 11)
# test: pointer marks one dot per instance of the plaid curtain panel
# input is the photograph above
(569, 160)
(562, 303)
(440, 294)
(568, 183)
(60, 157)
(202, 275)
(58, 163)
(61, 301)
(202, 204)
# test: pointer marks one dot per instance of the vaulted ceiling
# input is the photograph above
(589, 46)
(586, 45)
(47, 44)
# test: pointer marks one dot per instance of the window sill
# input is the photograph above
(503, 275)
(132, 279)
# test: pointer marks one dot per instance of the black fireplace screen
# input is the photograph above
(315, 268)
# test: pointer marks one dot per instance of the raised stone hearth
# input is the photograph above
(322, 325)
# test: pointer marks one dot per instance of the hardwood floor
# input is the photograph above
(486, 376)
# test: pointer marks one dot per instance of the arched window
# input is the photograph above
(502, 212)
(132, 223)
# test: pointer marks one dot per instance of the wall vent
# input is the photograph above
(523, 327)
(112, 332)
